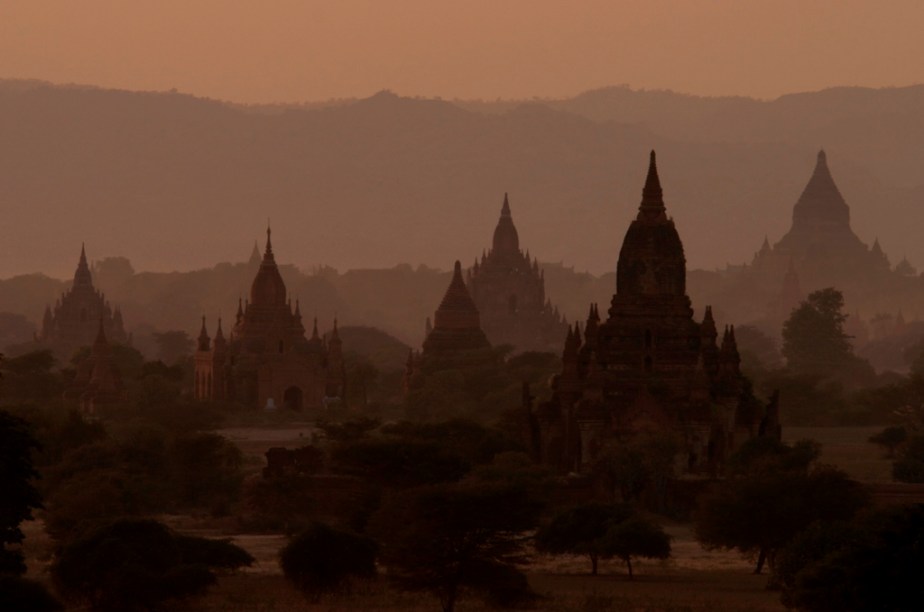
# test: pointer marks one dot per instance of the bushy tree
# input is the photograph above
(909, 465)
(761, 512)
(31, 377)
(874, 564)
(18, 495)
(399, 462)
(890, 438)
(206, 471)
(322, 559)
(604, 531)
(21, 595)
(769, 455)
(636, 537)
(808, 547)
(815, 343)
(138, 564)
(581, 531)
(447, 537)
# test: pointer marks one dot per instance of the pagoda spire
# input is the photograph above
(204, 339)
(268, 255)
(82, 276)
(506, 239)
(652, 206)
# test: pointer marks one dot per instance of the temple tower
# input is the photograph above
(268, 362)
(509, 290)
(456, 323)
(649, 368)
(74, 321)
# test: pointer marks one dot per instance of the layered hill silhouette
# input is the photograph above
(177, 182)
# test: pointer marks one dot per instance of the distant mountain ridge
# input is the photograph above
(177, 182)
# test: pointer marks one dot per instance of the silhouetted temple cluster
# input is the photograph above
(267, 361)
(647, 367)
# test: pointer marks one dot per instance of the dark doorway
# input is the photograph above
(292, 398)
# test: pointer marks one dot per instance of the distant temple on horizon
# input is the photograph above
(454, 335)
(77, 315)
(97, 384)
(820, 250)
(267, 362)
(509, 291)
(646, 366)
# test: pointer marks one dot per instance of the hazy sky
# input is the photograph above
(293, 50)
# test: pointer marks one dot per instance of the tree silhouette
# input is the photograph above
(447, 537)
(19, 496)
(138, 564)
(814, 340)
(581, 531)
(322, 558)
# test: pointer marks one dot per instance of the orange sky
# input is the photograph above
(294, 50)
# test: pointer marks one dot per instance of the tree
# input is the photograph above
(138, 564)
(206, 470)
(19, 496)
(23, 595)
(444, 537)
(399, 462)
(636, 537)
(909, 466)
(760, 512)
(764, 454)
(322, 559)
(814, 341)
(809, 547)
(581, 531)
(890, 438)
(31, 377)
(874, 564)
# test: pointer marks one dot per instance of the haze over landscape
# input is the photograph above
(397, 171)
(412, 305)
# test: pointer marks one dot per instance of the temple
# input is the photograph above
(97, 383)
(509, 291)
(74, 322)
(819, 250)
(454, 335)
(648, 366)
(267, 362)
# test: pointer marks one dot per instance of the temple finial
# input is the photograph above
(652, 197)
(505, 209)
